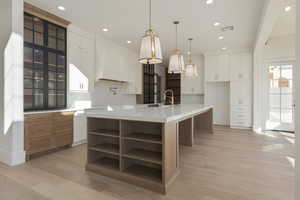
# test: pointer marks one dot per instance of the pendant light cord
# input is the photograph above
(176, 25)
(150, 14)
(190, 50)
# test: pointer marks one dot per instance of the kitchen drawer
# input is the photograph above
(240, 123)
(240, 109)
(240, 116)
(38, 145)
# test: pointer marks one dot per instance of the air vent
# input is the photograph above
(227, 28)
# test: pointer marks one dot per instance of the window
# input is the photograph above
(44, 64)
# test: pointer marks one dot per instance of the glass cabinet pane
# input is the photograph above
(28, 98)
(38, 98)
(61, 63)
(27, 73)
(51, 76)
(61, 45)
(39, 84)
(28, 55)
(28, 84)
(28, 23)
(51, 61)
(51, 85)
(38, 75)
(28, 36)
(51, 98)
(38, 56)
(61, 33)
(60, 99)
(52, 42)
(38, 25)
(38, 39)
(52, 30)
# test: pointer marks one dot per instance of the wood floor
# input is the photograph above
(229, 165)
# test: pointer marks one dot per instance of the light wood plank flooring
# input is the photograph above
(228, 165)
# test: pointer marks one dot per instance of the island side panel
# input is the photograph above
(186, 132)
(170, 152)
(204, 122)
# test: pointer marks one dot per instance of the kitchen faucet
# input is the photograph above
(170, 97)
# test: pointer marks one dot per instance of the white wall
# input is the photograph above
(11, 78)
(280, 48)
(297, 78)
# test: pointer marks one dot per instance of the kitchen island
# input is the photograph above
(140, 144)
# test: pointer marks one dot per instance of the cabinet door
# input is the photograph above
(240, 67)
(223, 68)
(211, 68)
(79, 56)
(240, 93)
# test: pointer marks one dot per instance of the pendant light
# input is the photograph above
(176, 63)
(150, 52)
(190, 68)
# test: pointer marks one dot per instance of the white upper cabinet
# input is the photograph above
(80, 59)
(217, 68)
(240, 66)
(194, 85)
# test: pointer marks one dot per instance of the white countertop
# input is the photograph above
(52, 111)
(145, 113)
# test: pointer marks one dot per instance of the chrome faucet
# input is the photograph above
(170, 97)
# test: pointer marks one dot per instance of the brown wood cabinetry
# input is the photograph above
(47, 131)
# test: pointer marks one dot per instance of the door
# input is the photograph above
(281, 98)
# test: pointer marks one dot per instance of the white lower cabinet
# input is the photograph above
(240, 116)
(80, 128)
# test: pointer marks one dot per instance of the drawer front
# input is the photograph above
(38, 125)
(240, 123)
(240, 109)
(63, 140)
(240, 116)
(38, 145)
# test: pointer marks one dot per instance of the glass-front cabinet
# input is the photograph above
(44, 64)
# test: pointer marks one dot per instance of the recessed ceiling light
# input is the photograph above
(224, 48)
(217, 24)
(129, 42)
(209, 2)
(221, 37)
(104, 29)
(61, 8)
(287, 8)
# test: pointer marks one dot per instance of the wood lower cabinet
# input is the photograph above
(47, 131)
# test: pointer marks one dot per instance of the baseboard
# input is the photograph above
(12, 158)
(79, 143)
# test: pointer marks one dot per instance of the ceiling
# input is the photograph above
(128, 20)
(286, 23)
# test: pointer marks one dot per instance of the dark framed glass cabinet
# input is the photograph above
(45, 71)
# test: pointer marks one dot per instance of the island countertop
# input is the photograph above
(163, 113)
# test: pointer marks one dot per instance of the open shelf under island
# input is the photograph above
(140, 144)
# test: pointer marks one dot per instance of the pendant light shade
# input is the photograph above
(150, 52)
(190, 68)
(176, 62)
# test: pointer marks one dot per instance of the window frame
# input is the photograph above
(46, 50)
